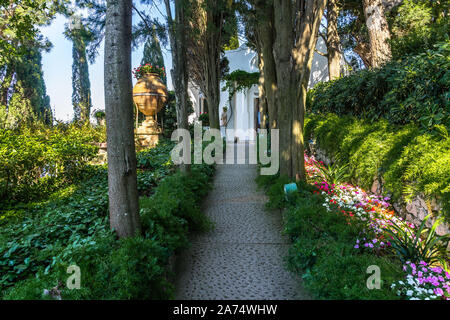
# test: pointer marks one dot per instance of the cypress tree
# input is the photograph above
(153, 53)
(81, 86)
(29, 101)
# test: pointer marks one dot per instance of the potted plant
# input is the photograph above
(147, 69)
(100, 116)
(149, 93)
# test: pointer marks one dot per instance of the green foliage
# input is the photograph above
(204, 118)
(423, 245)
(154, 158)
(40, 241)
(413, 90)
(20, 25)
(409, 162)
(35, 161)
(240, 80)
(322, 249)
(334, 173)
(416, 25)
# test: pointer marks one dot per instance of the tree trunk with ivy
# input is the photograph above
(122, 175)
(296, 26)
(379, 34)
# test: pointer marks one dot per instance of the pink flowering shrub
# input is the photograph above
(381, 225)
(424, 282)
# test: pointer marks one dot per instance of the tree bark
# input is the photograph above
(122, 176)
(214, 19)
(296, 26)
(177, 36)
(378, 32)
(266, 40)
(262, 93)
(363, 50)
(5, 86)
(333, 40)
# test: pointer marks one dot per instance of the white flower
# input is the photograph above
(409, 293)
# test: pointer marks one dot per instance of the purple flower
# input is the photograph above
(356, 247)
(437, 270)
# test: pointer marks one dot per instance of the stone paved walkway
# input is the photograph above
(242, 258)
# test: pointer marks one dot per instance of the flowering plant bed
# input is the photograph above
(142, 70)
(382, 232)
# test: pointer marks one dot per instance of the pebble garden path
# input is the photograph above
(242, 257)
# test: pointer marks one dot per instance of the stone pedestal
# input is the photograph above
(148, 133)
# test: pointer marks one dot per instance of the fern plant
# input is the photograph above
(334, 173)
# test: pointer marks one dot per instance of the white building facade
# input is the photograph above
(243, 111)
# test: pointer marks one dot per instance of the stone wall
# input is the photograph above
(414, 211)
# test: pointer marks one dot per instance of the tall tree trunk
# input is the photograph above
(287, 87)
(266, 39)
(363, 50)
(296, 29)
(177, 36)
(262, 93)
(214, 19)
(122, 177)
(378, 32)
(5, 86)
(333, 41)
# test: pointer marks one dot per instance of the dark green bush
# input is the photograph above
(322, 250)
(412, 90)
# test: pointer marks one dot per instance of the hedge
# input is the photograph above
(412, 90)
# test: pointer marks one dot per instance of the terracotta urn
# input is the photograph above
(150, 95)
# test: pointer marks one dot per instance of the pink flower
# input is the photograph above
(438, 291)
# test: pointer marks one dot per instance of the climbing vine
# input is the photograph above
(239, 80)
